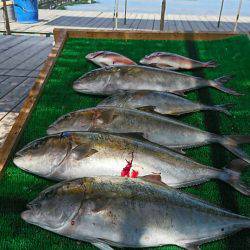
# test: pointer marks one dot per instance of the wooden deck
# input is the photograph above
(50, 19)
(21, 58)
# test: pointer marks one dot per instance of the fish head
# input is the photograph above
(56, 206)
(81, 120)
(96, 57)
(95, 81)
(118, 100)
(151, 59)
(42, 156)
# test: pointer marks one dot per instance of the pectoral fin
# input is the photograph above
(179, 93)
(162, 66)
(83, 151)
(154, 178)
(102, 246)
(147, 108)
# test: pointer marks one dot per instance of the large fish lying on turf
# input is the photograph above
(172, 61)
(108, 58)
(109, 80)
(155, 128)
(159, 102)
(125, 212)
(73, 155)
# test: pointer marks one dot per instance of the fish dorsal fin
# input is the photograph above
(153, 178)
(83, 151)
(133, 71)
(106, 117)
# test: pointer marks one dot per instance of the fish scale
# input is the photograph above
(156, 128)
(159, 102)
(109, 80)
(124, 212)
(94, 154)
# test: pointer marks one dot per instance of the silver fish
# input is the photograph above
(155, 128)
(165, 60)
(125, 212)
(109, 80)
(84, 154)
(108, 58)
(159, 102)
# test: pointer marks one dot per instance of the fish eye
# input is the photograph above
(66, 116)
(65, 134)
(48, 194)
(35, 145)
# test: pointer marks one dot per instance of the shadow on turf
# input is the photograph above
(218, 153)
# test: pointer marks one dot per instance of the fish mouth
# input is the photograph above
(52, 129)
(19, 153)
(29, 215)
(26, 215)
(18, 159)
(142, 61)
(79, 88)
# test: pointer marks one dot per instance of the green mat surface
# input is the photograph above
(18, 188)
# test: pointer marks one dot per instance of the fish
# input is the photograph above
(160, 102)
(158, 129)
(166, 60)
(74, 155)
(124, 212)
(108, 58)
(108, 80)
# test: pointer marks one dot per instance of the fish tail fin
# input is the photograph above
(218, 84)
(231, 143)
(231, 174)
(210, 64)
(223, 108)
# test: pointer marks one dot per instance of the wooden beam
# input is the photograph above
(238, 15)
(29, 104)
(116, 13)
(221, 8)
(141, 35)
(125, 12)
(163, 11)
(6, 18)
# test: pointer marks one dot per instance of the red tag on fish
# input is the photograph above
(134, 174)
(126, 171)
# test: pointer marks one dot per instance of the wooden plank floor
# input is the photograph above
(49, 19)
(21, 58)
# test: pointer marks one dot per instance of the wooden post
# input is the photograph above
(238, 15)
(116, 13)
(6, 18)
(163, 10)
(125, 14)
(221, 8)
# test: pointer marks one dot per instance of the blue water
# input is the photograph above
(187, 7)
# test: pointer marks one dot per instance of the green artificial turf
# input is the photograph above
(17, 188)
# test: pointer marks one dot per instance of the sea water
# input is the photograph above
(186, 7)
